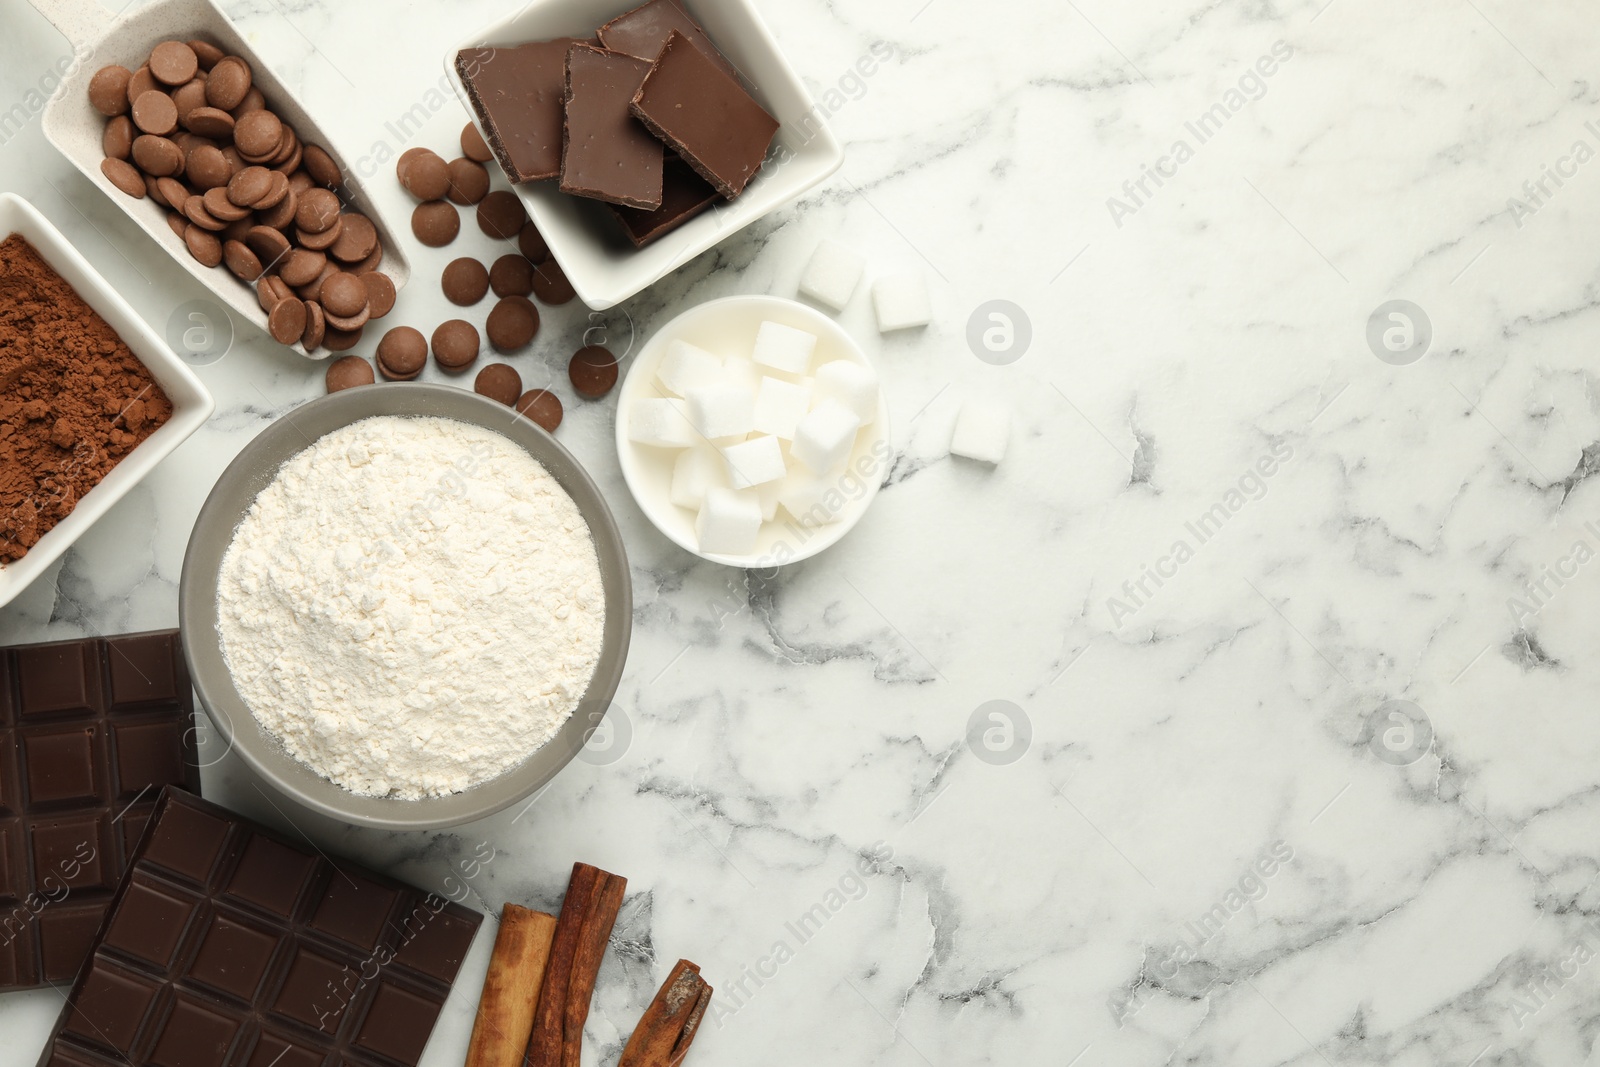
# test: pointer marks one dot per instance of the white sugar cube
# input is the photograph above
(728, 523)
(661, 423)
(686, 367)
(901, 302)
(780, 406)
(784, 348)
(832, 275)
(768, 494)
(754, 462)
(741, 372)
(812, 501)
(696, 471)
(982, 431)
(721, 411)
(850, 384)
(825, 437)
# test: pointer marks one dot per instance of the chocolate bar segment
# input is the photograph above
(519, 95)
(705, 115)
(230, 944)
(609, 154)
(90, 732)
(643, 33)
(684, 196)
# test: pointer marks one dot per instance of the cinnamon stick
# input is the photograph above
(663, 1036)
(587, 915)
(511, 989)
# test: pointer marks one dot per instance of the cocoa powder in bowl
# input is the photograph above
(73, 399)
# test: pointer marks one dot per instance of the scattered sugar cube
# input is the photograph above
(741, 372)
(812, 501)
(832, 275)
(686, 367)
(721, 411)
(754, 462)
(780, 406)
(784, 348)
(982, 431)
(696, 471)
(661, 423)
(729, 523)
(825, 437)
(901, 301)
(850, 384)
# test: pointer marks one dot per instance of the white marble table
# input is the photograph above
(1227, 536)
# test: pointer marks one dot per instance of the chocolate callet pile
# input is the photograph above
(73, 399)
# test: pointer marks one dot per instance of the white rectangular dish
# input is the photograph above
(585, 238)
(75, 128)
(191, 404)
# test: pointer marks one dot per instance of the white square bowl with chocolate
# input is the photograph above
(604, 267)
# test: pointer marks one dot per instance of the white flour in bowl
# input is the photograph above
(412, 607)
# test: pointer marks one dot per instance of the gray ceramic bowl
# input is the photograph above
(238, 488)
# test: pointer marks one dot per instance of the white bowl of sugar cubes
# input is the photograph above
(753, 431)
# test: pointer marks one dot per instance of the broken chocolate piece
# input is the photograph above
(684, 196)
(643, 32)
(609, 154)
(706, 116)
(519, 94)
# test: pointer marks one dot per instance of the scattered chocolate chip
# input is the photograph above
(501, 215)
(550, 284)
(511, 275)
(435, 223)
(512, 324)
(465, 281)
(469, 182)
(349, 372)
(542, 407)
(455, 345)
(499, 381)
(473, 146)
(402, 354)
(593, 371)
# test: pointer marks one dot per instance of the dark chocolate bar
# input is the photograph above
(90, 732)
(684, 196)
(229, 944)
(609, 155)
(706, 116)
(519, 94)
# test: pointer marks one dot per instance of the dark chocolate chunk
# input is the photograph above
(684, 196)
(90, 732)
(609, 154)
(230, 944)
(706, 116)
(519, 94)
(643, 32)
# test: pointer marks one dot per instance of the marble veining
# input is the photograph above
(1294, 760)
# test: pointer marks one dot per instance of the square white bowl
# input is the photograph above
(191, 404)
(585, 238)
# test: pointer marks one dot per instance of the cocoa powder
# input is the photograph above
(73, 399)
